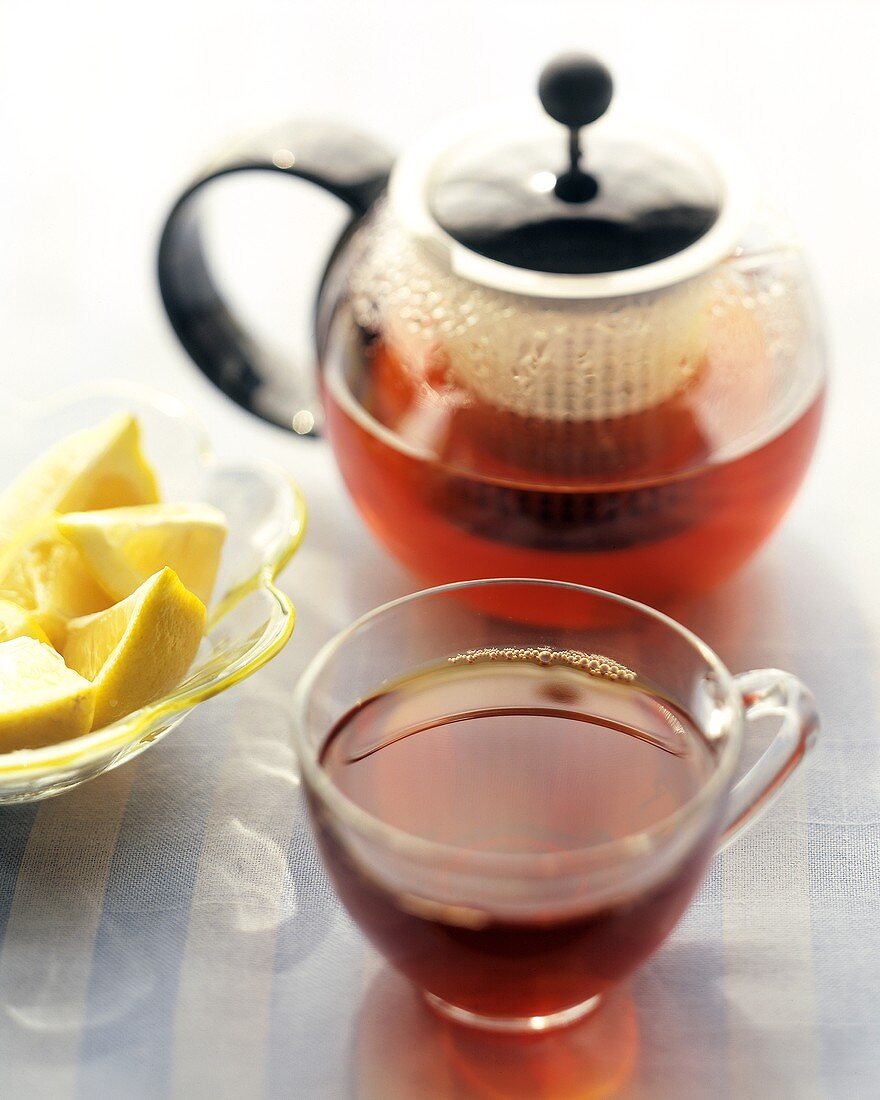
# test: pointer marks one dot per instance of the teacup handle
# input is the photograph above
(342, 161)
(770, 693)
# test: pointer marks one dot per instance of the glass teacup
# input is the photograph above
(517, 816)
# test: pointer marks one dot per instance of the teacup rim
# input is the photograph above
(515, 864)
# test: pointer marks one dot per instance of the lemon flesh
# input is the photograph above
(122, 547)
(139, 649)
(42, 701)
(16, 622)
(99, 467)
(44, 573)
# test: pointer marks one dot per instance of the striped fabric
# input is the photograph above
(167, 930)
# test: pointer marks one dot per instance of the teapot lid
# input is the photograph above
(570, 204)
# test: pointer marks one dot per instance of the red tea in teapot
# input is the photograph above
(658, 501)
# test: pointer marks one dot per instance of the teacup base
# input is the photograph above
(512, 1025)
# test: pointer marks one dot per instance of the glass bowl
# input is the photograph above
(249, 619)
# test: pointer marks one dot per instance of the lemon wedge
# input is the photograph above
(139, 649)
(43, 573)
(124, 546)
(16, 622)
(99, 467)
(42, 701)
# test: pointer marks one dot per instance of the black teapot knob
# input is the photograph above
(575, 89)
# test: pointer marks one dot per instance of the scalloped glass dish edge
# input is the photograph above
(30, 774)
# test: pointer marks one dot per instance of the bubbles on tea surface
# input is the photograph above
(595, 664)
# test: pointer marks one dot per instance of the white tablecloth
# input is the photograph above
(167, 929)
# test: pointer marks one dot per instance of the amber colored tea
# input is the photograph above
(514, 757)
(661, 503)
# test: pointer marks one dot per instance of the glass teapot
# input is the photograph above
(550, 343)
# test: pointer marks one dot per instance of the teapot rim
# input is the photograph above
(411, 176)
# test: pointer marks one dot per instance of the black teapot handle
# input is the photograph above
(342, 161)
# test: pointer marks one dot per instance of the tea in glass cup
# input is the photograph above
(517, 817)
